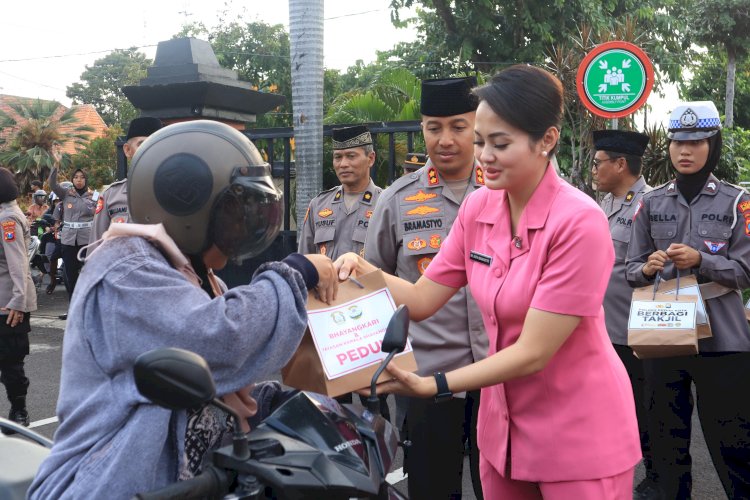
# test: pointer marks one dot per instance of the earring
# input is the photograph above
(544, 153)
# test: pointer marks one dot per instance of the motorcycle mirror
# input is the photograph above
(174, 378)
(394, 341)
(397, 330)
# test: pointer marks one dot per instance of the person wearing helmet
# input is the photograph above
(200, 194)
(112, 205)
(38, 207)
(78, 209)
(17, 298)
(54, 252)
(697, 224)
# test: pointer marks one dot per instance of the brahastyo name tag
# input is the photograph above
(661, 315)
(480, 257)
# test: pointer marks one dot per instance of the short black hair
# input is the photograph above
(634, 162)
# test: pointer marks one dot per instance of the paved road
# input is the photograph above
(43, 368)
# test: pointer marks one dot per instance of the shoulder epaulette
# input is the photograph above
(735, 186)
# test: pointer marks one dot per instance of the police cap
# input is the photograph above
(693, 121)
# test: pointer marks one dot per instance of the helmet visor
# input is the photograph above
(247, 215)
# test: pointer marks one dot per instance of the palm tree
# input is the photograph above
(394, 95)
(39, 126)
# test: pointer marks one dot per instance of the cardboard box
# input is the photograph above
(306, 370)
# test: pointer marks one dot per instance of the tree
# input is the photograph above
(259, 52)
(306, 30)
(722, 24)
(40, 126)
(102, 82)
(485, 35)
(393, 95)
(708, 83)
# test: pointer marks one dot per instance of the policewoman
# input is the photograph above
(410, 224)
(78, 205)
(17, 298)
(336, 220)
(556, 417)
(697, 224)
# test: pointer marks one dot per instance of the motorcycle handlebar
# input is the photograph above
(211, 483)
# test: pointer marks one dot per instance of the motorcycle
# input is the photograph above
(310, 446)
(38, 259)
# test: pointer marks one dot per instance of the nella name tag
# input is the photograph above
(648, 315)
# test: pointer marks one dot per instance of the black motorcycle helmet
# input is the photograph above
(208, 184)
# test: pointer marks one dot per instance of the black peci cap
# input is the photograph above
(143, 127)
(620, 141)
(448, 96)
(351, 137)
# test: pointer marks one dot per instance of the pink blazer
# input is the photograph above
(575, 419)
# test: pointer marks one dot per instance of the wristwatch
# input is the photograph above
(443, 392)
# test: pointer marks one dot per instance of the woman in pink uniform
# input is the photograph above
(557, 418)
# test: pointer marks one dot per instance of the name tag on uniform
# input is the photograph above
(95, 196)
(480, 257)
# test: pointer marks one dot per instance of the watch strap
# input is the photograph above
(443, 391)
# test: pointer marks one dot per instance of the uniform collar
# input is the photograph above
(367, 195)
(632, 193)
(433, 179)
(711, 187)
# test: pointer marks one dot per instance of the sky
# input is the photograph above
(46, 45)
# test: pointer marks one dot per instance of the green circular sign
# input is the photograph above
(614, 79)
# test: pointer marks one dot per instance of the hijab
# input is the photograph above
(85, 187)
(690, 185)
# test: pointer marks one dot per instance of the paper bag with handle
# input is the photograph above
(340, 350)
(663, 324)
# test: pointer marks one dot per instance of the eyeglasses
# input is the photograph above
(598, 162)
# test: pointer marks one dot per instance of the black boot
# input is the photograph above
(18, 413)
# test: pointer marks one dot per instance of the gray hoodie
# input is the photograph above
(111, 442)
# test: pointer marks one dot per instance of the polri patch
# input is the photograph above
(416, 244)
(9, 230)
(423, 263)
(714, 246)
(480, 257)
